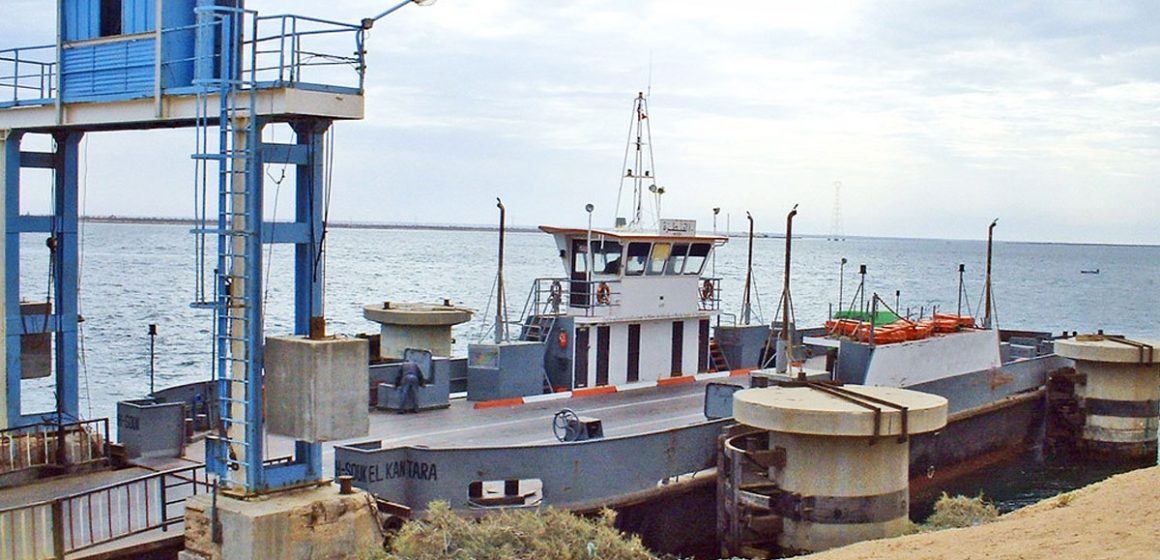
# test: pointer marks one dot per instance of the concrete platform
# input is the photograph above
(1101, 349)
(276, 104)
(801, 410)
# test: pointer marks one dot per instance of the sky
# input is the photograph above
(936, 116)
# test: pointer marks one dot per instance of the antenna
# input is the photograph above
(836, 218)
(638, 169)
(648, 92)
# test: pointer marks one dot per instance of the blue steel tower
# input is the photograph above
(228, 73)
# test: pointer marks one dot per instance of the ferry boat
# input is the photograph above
(618, 386)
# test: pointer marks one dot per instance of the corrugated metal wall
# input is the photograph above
(138, 16)
(81, 19)
(123, 69)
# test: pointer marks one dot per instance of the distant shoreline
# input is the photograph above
(534, 229)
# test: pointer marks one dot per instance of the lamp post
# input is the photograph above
(368, 23)
(841, 281)
(588, 269)
(716, 210)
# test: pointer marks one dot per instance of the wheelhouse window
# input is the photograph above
(607, 258)
(660, 256)
(579, 259)
(677, 260)
(637, 259)
(698, 252)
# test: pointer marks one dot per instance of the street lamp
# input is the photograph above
(368, 23)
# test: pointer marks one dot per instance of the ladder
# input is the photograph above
(234, 451)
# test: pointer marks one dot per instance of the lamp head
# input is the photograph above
(589, 208)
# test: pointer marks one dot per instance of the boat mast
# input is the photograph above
(640, 168)
(987, 282)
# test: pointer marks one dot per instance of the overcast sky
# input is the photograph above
(936, 116)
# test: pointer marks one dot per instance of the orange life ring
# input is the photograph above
(707, 290)
(603, 293)
(562, 339)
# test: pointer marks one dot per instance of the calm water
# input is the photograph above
(134, 275)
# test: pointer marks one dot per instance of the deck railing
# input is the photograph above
(48, 444)
(27, 75)
(53, 528)
(289, 50)
(279, 51)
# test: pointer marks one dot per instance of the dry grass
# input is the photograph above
(960, 511)
(519, 534)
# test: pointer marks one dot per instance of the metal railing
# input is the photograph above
(28, 75)
(281, 51)
(53, 528)
(292, 50)
(50, 444)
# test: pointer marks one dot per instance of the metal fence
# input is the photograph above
(27, 74)
(280, 51)
(50, 444)
(53, 528)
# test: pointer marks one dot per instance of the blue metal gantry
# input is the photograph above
(211, 65)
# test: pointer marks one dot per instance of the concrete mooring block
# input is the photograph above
(312, 524)
(316, 390)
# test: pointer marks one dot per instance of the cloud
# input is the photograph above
(937, 115)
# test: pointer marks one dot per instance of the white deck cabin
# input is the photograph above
(639, 302)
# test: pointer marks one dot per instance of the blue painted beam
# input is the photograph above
(11, 184)
(285, 232)
(66, 273)
(36, 324)
(37, 160)
(285, 153)
(309, 210)
(32, 224)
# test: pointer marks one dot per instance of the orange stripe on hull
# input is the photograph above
(498, 403)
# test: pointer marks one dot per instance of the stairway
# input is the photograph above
(717, 360)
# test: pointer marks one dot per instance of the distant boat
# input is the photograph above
(1092, 271)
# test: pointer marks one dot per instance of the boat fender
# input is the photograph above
(562, 339)
(707, 290)
(603, 293)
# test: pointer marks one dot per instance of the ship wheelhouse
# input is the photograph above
(638, 305)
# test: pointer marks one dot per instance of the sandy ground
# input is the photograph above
(1118, 518)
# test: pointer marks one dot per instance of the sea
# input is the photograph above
(134, 275)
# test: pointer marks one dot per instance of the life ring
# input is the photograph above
(707, 290)
(603, 293)
(562, 339)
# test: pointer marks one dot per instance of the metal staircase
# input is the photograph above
(717, 359)
(227, 98)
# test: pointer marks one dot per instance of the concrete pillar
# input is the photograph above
(415, 325)
(1122, 401)
(835, 481)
